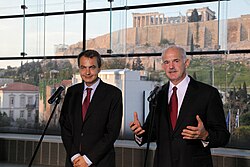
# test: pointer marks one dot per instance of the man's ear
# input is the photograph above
(187, 62)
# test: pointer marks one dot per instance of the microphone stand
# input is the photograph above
(152, 104)
(47, 125)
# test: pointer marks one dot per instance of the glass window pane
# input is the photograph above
(10, 8)
(209, 26)
(146, 2)
(62, 31)
(11, 37)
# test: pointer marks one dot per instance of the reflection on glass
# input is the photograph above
(27, 85)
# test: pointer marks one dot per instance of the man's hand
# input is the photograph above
(80, 162)
(192, 132)
(135, 126)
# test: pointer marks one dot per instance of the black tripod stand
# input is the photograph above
(152, 107)
(47, 125)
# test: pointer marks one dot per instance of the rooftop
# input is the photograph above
(18, 86)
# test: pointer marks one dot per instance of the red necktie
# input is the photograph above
(173, 107)
(86, 102)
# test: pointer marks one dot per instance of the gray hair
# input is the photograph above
(180, 49)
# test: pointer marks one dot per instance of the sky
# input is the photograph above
(11, 30)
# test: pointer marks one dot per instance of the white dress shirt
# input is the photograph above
(181, 91)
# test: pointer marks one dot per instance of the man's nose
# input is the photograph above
(87, 70)
(171, 65)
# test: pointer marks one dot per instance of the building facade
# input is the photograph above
(20, 101)
(156, 18)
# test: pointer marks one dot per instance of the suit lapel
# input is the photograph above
(78, 102)
(164, 106)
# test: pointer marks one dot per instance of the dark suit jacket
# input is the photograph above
(172, 150)
(95, 136)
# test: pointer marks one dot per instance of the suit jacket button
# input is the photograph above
(81, 134)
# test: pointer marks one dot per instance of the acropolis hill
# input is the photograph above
(152, 32)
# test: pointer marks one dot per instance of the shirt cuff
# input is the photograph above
(138, 139)
(204, 143)
(87, 160)
(74, 157)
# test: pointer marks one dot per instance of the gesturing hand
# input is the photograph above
(135, 126)
(192, 132)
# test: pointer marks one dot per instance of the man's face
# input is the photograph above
(174, 65)
(89, 70)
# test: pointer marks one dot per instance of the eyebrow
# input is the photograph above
(171, 60)
(87, 66)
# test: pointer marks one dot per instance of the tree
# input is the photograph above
(154, 65)
(192, 44)
(29, 72)
(21, 122)
(4, 119)
(194, 76)
(245, 119)
(166, 42)
(114, 63)
(194, 16)
(65, 69)
(243, 132)
(137, 65)
(244, 90)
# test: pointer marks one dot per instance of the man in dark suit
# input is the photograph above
(200, 123)
(89, 136)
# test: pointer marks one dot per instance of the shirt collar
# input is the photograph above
(94, 86)
(180, 85)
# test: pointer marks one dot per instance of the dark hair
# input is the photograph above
(90, 54)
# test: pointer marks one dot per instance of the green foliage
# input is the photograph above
(29, 72)
(194, 76)
(243, 132)
(156, 76)
(233, 78)
(226, 73)
(245, 119)
(4, 119)
(21, 122)
(166, 42)
(201, 68)
(147, 44)
(137, 65)
(194, 16)
(114, 63)
(10, 73)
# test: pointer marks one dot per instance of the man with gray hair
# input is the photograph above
(188, 118)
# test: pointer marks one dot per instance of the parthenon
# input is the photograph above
(156, 18)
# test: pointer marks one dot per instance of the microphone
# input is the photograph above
(56, 94)
(154, 93)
